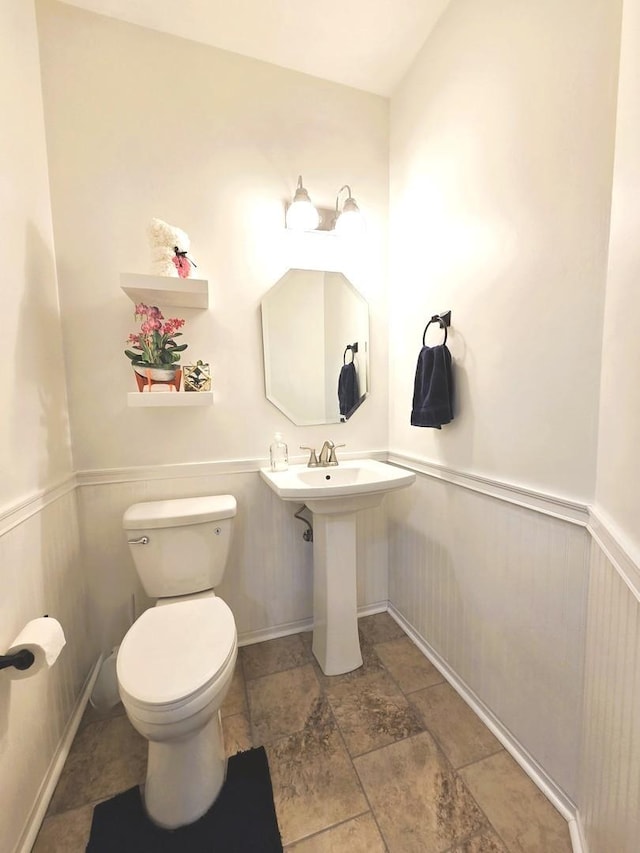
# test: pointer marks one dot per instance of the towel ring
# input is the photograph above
(354, 350)
(441, 322)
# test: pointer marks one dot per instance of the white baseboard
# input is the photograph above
(248, 638)
(576, 832)
(552, 792)
(41, 804)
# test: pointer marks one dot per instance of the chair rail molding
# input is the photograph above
(558, 507)
(14, 514)
(622, 555)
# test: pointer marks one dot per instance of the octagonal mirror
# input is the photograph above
(315, 331)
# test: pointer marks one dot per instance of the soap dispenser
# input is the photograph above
(279, 453)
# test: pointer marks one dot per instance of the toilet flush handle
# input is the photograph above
(143, 540)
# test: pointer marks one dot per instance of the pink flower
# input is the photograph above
(155, 339)
(172, 326)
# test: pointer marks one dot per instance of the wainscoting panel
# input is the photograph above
(41, 571)
(610, 778)
(499, 591)
(268, 582)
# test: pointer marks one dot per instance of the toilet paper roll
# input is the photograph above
(44, 638)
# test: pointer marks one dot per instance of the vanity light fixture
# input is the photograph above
(301, 215)
(348, 222)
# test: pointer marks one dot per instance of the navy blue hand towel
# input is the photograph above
(433, 389)
(348, 391)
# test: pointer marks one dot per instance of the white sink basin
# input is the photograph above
(348, 487)
(334, 495)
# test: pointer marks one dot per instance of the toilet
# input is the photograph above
(176, 662)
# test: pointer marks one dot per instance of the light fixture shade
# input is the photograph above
(350, 223)
(301, 215)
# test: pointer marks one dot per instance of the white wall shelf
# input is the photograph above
(144, 399)
(162, 290)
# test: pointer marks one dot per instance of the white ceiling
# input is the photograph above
(368, 44)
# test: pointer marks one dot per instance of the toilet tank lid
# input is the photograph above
(179, 512)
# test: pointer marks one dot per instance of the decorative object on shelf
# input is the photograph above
(169, 248)
(147, 377)
(155, 353)
(197, 377)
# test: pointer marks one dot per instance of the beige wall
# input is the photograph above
(501, 156)
(617, 495)
(34, 437)
(141, 124)
(40, 566)
(502, 141)
(610, 779)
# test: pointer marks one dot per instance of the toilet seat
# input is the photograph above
(172, 656)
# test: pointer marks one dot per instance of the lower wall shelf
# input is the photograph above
(145, 399)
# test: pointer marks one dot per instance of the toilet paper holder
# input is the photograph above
(21, 659)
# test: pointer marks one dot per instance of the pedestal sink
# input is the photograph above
(334, 495)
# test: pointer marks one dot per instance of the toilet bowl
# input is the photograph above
(175, 664)
(174, 669)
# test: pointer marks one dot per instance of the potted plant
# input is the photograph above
(155, 353)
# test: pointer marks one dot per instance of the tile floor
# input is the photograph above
(387, 758)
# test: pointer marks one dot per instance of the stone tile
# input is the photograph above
(462, 735)
(379, 628)
(236, 699)
(237, 734)
(314, 783)
(281, 704)
(274, 656)
(486, 842)
(406, 664)
(372, 712)
(106, 757)
(359, 835)
(419, 802)
(371, 663)
(93, 715)
(522, 816)
(65, 833)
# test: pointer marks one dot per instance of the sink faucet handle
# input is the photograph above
(333, 459)
(313, 458)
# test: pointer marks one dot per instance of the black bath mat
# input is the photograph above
(242, 819)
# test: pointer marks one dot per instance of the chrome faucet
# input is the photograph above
(327, 455)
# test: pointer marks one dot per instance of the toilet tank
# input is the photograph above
(180, 546)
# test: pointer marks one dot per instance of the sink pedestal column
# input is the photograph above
(336, 644)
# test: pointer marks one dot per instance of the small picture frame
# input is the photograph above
(196, 377)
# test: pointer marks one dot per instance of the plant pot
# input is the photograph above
(153, 374)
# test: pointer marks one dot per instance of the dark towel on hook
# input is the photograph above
(433, 388)
(348, 391)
